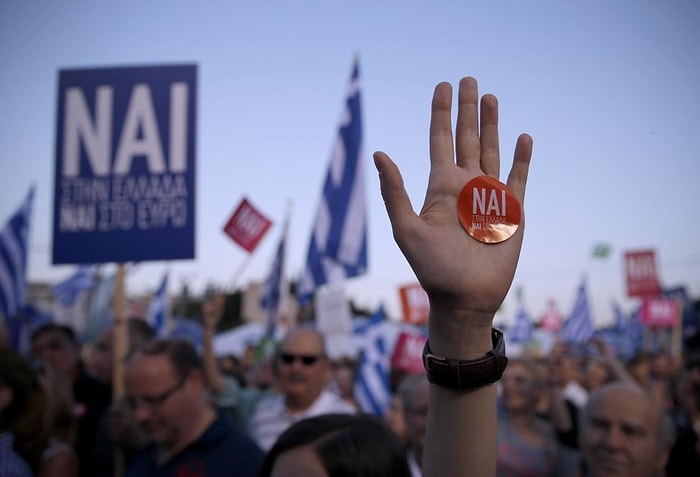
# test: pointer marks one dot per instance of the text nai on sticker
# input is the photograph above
(488, 210)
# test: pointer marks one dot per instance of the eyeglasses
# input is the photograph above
(154, 402)
(306, 359)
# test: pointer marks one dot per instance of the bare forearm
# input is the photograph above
(211, 367)
(461, 430)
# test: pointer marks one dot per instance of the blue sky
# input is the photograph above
(608, 90)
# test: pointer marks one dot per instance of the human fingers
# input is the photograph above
(396, 200)
(467, 131)
(441, 139)
(517, 179)
(488, 137)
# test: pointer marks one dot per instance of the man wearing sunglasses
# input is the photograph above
(303, 372)
(167, 394)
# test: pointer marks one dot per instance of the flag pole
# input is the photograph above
(120, 347)
(239, 271)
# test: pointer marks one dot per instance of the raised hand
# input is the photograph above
(459, 273)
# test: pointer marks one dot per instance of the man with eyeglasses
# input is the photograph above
(168, 395)
(303, 372)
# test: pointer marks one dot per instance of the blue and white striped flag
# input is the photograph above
(99, 314)
(372, 387)
(338, 246)
(14, 241)
(578, 328)
(158, 312)
(521, 332)
(629, 332)
(66, 292)
(635, 332)
(274, 291)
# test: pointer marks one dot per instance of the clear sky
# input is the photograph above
(609, 90)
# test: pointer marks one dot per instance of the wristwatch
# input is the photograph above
(465, 374)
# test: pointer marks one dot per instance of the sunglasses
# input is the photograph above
(306, 359)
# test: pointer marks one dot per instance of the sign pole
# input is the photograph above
(120, 347)
(677, 336)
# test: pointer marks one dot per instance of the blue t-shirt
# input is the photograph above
(11, 464)
(224, 450)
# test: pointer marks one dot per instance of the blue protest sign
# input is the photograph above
(124, 185)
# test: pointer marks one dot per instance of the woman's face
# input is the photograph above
(597, 374)
(297, 461)
(519, 388)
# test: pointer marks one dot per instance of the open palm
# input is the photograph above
(457, 271)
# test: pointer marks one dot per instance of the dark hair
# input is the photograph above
(28, 415)
(181, 353)
(15, 373)
(139, 331)
(64, 330)
(348, 445)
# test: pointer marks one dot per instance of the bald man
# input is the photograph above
(624, 433)
(303, 372)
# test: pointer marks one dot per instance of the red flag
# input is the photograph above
(247, 226)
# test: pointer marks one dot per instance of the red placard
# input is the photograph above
(247, 226)
(408, 353)
(640, 270)
(659, 312)
(414, 304)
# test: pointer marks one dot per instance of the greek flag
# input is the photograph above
(578, 327)
(635, 332)
(626, 331)
(273, 293)
(338, 246)
(14, 241)
(521, 332)
(158, 308)
(66, 292)
(372, 388)
(100, 307)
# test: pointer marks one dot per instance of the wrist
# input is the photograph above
(467, 374)
(460, 335)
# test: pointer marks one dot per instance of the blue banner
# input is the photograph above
(124, 185)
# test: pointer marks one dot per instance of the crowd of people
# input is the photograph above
(292, 412)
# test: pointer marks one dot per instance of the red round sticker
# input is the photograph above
(488, 210)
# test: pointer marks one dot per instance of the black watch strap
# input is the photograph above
(465, 374)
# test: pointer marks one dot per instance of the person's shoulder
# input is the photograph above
(331, 402)
(143, 462)
(269, 403)
(227, 445)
